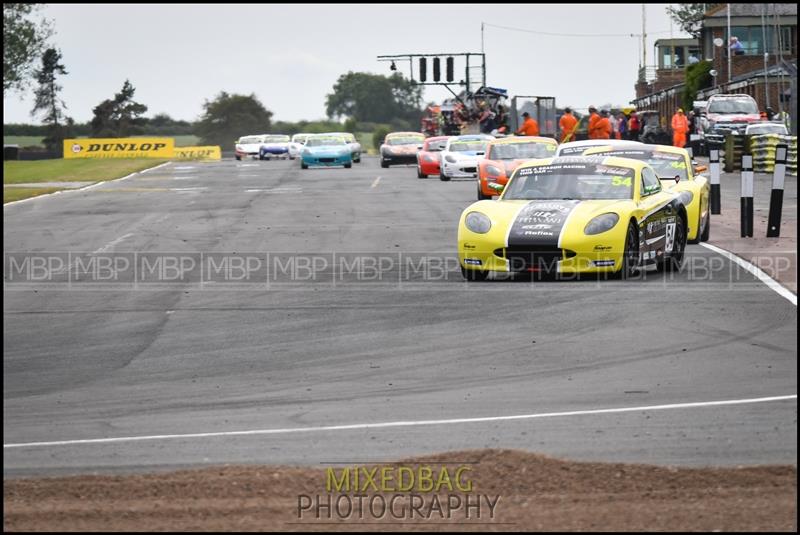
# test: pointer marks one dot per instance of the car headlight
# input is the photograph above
(306, 152)
(686, 197)
(494, 170)
(601, 223)
(451, 159)
(478, 222)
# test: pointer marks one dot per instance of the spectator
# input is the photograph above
(680, 125)
(736, 47)
(568, 124)
(593, 118)
(603, 126)
(622, 126)
(529, 126)
(633, 127)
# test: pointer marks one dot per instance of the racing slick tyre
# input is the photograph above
(238, 158)
(443, 177)
(474, 275)
(261, 158)
(357, 160)
(674, 262)
(303, 165)
(291, 157)
(420, 174)
(348, 165)
(630, 256)
(384, 164)
(482, 196)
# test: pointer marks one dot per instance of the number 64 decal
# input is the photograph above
(670, 237)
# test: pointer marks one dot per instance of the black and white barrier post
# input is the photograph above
(713, 167)
(776, 200)
(747, 196)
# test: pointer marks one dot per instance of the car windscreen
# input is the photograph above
(733, 105)
(276, 139)
(581, 181)
(324, 142)
(468, 146)
(249, 140)
(573, 150)
(299, 138)
(516, 151)
(667, 165)
(405, 140)
(436, 146)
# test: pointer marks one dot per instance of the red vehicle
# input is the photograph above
(428, 157)
(504, 155)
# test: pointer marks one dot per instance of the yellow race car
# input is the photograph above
(575, 214)
(674, 167)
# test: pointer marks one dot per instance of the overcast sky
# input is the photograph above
(290, 56)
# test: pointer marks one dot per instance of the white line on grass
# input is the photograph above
(411, 423)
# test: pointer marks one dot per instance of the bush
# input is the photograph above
(378, 136)
(697, 78)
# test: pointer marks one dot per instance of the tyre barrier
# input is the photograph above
(763, 146)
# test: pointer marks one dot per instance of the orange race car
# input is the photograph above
(428, 158)
(504, 155)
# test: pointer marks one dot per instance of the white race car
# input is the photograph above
(248, 146)
(461, 154)
(352, 142)
(576, 148)
(296, 145)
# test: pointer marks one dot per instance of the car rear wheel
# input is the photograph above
(420, 174)
(303, 165)
(443, 177)
(674, 262)
(384, 163)
(238, 158)
(348, 165)
(474, 275)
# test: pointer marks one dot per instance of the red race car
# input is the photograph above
(428, 157)
(504, 155)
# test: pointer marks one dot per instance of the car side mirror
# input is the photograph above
(496, 187)
(699, 168)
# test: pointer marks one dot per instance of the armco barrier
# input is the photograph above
(763, 149)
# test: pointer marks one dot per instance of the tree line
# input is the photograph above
(358, 101)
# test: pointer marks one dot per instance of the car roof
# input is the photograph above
(523, 139)
(646, 147)
(605, 160)
(398, 134)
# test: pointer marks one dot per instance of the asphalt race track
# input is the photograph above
(289, 355)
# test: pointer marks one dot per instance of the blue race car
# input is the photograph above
(274, 145)
(326, 151)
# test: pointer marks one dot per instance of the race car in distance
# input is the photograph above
(575, 214)
(274, 145)
(461, 154)
(506, 154)
(296, 145)
(248, 146)
(576, 148)
(400, 147)
(350, 139)
(326, 151)
(428, 157)
(754, 129)
(674, 168)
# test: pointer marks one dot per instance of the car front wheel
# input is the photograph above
(630, 256)
(474, 275)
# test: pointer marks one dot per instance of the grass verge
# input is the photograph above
(17, 194)
(87, 170)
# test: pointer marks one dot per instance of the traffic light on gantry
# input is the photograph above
(423, 69)
(436, 69)
(450, 69)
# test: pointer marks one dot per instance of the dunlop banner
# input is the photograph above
(198, 153)
(126, 147)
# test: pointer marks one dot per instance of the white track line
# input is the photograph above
(375, 184)
(86, 187)
(111, 244)
(401, 423)
(755, 270)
